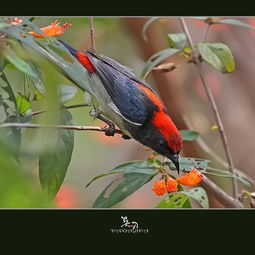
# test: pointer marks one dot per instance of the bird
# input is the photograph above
(129, 103)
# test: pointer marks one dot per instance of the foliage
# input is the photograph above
(53, 164)
(27, 55)
(17, 187)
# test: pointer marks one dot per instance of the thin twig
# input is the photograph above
(38, 112)
(92, 31)
(65, 107)
(189, 39)
(214, 189)
(206, 148)
(214, 108)
(206, 32)
(214, 155)
(220, 128)
(76, 106)
(79, 128)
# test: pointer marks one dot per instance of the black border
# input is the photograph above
(186, 229)
(129, 8)
(175, 226)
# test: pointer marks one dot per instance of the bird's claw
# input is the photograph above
(111, 130)
(126, 137)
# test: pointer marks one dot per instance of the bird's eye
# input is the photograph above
(161, 143)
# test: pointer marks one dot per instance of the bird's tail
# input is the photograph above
(69, 47)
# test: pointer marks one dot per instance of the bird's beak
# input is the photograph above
(175, 160)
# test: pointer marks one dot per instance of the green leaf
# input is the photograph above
(146, 25)
(37, 81)
(4, 25)
(121, 188)
(22, 103)
(37, 95)
(208, 20)
(53, 164)
(200, 18)
(9, 113)
(100, 176)
(136, 166)
(17, 187)
(188, 135)
(48, 47)
(234, 22)
(66, 93)
(226, 174)
(175, 200)
(177, 40)
(217, 55)
(186, 164)
(156, 58)
(20, 64)
(199, 195)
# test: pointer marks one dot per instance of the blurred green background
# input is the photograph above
(181, 90)
(93, 153)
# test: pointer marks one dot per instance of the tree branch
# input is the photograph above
(92, 31)
(220, 194)
(206, 32)
(189, 39)
(79, 128)
(75, 106)
(205, 147)
(213, 106)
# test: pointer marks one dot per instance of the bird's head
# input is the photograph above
(170, 143)
(161, 134)
(169, 147)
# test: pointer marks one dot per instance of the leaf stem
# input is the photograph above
(213, 106)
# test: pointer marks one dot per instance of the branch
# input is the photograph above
(92, 38)
(205, 147)
(76, 106)
(206, 32)
(220, 194)
(213, 106)
(79, 128)
(189, 39)
(220, 127)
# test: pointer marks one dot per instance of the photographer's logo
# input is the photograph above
(129, 227)
(127, 223)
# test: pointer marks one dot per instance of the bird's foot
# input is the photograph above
(111, 130)
(126, 137)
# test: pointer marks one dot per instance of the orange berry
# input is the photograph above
(172, 185)
(159, 187)
(190, 179)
